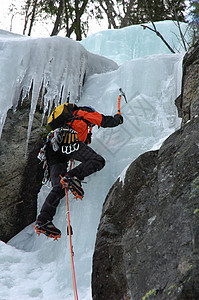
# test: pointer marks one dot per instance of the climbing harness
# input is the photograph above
(70, 232)
(67, 137)
(119, 100)
(70, 140)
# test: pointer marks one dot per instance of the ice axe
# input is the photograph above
(119, 100)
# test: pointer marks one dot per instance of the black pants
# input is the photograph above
(90, 163)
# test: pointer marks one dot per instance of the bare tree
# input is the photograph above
(79, 10)
(31, 9)
(27, 14)
(194, 20)
(171, 5)
(154, 29)
(33, 14)
(13, 11)
(68, 15)
(122, 13)
(110, 10)
(59, 17)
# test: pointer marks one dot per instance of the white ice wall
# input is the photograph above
(131, 42)
(36, 268)
(53, 66)
(151, 85)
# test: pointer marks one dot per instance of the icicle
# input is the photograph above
(42, 69)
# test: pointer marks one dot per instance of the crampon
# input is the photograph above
(74, 185)
(48, 229)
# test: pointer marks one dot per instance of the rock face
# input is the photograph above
(148, 238)
(188, 102)
(147, 244)
(20, 177)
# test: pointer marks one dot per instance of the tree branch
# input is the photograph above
(155, 29)
(160, 36)
(58, 20)
(179, 27)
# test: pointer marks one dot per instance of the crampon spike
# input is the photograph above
(39, 231)
(55, 237)
(63, 183)
(76, 196)
(69, 187)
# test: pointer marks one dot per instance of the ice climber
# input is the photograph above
(67, 141)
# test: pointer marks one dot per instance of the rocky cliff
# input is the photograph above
(20, 177)
(188, 102)
(147, 245)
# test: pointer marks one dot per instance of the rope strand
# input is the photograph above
(71, 249)
(71, 246)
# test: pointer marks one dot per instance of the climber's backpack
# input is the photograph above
(61, 115)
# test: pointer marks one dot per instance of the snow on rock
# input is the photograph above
(49, 68)
(123, 175)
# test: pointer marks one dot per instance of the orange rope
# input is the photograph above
(71, 249)
(70, 242)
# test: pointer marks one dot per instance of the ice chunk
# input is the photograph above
(131, 42)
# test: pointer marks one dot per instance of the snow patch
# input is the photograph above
(123, 175)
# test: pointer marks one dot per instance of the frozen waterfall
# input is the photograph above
(35, 267)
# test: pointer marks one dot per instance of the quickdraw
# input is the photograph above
(55, 137)
(70, 148)
(46, 173)
(42, 154)
(69, 136)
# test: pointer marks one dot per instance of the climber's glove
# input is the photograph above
(119, 118)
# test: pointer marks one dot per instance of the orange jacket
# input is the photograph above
(86, 116)
(81, 127)
(83, 117)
